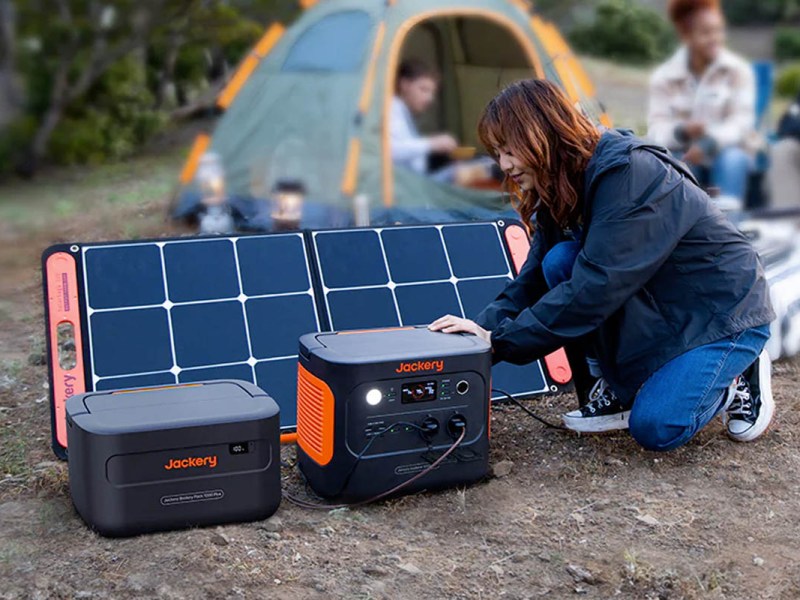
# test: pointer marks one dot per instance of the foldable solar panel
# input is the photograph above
(180, 311)
(411, 275)
(151, 313)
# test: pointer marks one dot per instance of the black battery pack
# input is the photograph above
(377, 407)
(164, 458)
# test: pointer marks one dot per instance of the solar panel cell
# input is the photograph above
(130, 341)
(273, 265)
(422, 304)
(351, 258)
(277, 323)
(415, 254)
(362, 309)
(203, 270)
(126, 276)
(209, 334)
(475, 250)
(476, 294)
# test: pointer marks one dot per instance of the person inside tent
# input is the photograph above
(631, 261)
(702, 100)
(416, 88)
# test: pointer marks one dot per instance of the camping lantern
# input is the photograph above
(216, 217)
(211, 179)
(377, 407)
(288, 208)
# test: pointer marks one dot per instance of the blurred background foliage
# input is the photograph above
(88, 81)
(648, 37)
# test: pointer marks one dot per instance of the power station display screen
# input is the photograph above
(423, 391)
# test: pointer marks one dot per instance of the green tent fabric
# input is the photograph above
(315, 107)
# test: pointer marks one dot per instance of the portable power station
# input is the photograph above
(153, 459)
(377, 407)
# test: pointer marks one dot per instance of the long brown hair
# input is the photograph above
(538, 125)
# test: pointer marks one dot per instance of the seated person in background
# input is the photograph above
(783, 176)
(702, 100)
(415, 91)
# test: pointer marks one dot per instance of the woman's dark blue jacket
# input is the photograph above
(661, 271)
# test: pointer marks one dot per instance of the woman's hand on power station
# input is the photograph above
(453, 324)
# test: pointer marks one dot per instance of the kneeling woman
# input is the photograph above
(632, 262)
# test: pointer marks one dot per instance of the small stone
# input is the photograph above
(275, 524)
(374, 571)
(411, 569)
(503, 468)
(758, 561)
(272, 535)
(648, 519)
(612, 460)
(581, 575)
(219, 539)
(377, 588)
(581, 590)
(37, 359)
(520, 556)
(544, 557)
(497, 570)
(578, 518)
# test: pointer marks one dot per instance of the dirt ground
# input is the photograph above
(565, 516)
(591, 516)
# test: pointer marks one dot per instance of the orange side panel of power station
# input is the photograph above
(314, 417)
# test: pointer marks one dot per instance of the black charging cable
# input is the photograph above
(544, 422)
(401, 486)
(360, 455)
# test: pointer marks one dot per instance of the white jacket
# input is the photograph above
(723, 99)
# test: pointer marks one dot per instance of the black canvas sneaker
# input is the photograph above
(603, 412)
(751, 406)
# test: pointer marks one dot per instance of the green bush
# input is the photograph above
(787, 83)
(749, 12)
(627, 32)
(787, 43)
(115, 120)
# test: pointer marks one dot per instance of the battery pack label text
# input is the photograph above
(191, 462)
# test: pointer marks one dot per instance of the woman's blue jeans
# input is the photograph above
(681, 397)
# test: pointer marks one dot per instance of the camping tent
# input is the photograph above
(311, 102)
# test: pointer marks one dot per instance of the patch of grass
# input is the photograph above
(69, 192)
(13, 451)
(10, 369)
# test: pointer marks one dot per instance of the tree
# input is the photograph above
(65, 63)
(10, 92)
